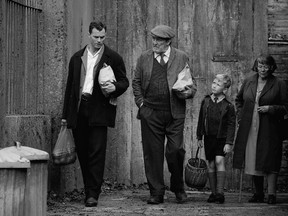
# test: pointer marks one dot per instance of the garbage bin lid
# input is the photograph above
(28, 152)
(11, 160)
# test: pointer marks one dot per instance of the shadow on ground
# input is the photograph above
(133, 202)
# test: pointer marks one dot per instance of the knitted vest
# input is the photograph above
(157, 95)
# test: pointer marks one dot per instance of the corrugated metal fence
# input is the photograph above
(22, 56)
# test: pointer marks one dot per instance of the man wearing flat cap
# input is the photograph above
(161, 113)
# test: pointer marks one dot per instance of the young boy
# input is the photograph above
(217, 124)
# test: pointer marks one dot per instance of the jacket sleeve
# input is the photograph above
(68, 89)
(282, 108)
(136, 83)
(200, 125)
(239, 101)
(231, 125)
(122, 82)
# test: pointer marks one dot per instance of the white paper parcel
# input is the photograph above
(184, 79)
(106, 74)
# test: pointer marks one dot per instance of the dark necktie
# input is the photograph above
(215, 99)
(162, 62)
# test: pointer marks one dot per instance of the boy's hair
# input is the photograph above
(226, 79)
(98, 25)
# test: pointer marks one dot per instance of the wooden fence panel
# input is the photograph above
(219, 36)
(186, 13)
(278, 48)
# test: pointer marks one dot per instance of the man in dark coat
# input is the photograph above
(88, 109)
(161, 112)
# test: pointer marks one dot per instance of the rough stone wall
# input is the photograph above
(54, 60)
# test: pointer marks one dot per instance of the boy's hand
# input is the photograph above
(63, 122)
(200, 143)
(227, 148)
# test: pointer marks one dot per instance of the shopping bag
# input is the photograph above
(106, 75)
(184, 87)
(64, 151)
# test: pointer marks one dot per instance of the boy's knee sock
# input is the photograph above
(221, 177)
(212, 181)
(259, 184)
(272, 179)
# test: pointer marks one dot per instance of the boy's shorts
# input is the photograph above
(214, 147)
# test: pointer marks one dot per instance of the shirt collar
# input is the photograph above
(167, 53)
(220, 98)
(91, 55)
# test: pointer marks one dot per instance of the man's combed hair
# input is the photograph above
(226, 79)
(98, 25)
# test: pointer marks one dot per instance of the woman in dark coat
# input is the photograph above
(261, 105)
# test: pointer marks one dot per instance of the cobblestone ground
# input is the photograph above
(133, 202)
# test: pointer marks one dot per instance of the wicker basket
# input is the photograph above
(196, 172)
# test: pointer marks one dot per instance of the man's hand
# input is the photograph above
(200, 143)
(108, 88)
(227, 148)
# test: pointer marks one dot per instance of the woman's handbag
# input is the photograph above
(196, 172)
(64, 151)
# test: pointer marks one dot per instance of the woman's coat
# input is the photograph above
(269, 140)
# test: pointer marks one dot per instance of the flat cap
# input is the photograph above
(163, 31)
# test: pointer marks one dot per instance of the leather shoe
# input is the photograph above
(220, 198)
(271, 199)
(91, 202)
(257, 198)
(155, 200)
(181, 196)
(212, 198)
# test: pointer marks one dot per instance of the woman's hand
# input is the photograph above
(263, 109)
(200, 143)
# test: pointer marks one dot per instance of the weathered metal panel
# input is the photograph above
(21, 69)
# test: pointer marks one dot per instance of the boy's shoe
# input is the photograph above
(212, 198)
(257, 198)
(271, 199)
(155, 200)
(219, 198)
(181, 196)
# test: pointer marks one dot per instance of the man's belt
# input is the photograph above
(86, 96)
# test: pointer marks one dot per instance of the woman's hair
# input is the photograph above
(267, 60)
(226, 79)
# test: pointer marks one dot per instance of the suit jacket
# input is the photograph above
(143, 71)
(269, 142)
(226, 128)
(101, 112)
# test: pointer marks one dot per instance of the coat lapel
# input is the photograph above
(83, 68)
(171, 58)
(267, 87)
(149, 60)
(253, 87)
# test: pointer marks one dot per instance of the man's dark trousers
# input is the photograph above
(91, 150)
(157, 124)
